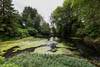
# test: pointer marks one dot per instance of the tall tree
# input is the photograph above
(32, 18)
(88, 11)
(28, 16)
(78, 17)
(37, 21)
(8, 18)
(45, 29)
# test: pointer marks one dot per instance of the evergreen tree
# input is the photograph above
(8, 18)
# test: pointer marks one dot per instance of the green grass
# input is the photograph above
(47, 60)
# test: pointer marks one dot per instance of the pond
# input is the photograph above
(35, 45)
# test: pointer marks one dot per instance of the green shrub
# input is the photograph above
(32, 31)
(44, 60)
(2, 60)
(9, 65)
(22, 33)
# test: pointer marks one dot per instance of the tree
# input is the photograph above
(63, 18)
(88, 11)
(32, 18)
(45, 29)
(78, 17)
(28, 16)
(7, 18)
(37, 21)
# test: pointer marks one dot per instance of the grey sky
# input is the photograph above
(44, 7)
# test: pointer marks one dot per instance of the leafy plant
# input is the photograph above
(2, 59)
(46, 60)
(32, 31)
(22, 33)
(9, 65)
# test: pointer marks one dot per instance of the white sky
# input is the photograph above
(44, 7)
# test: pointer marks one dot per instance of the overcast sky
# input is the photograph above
(44, 7)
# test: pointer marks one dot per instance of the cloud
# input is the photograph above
(44, 7)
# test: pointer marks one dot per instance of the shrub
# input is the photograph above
(9, 65)
(31, 31)
(2, 60)
(22, 33)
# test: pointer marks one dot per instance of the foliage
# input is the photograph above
(8, 23)
(45, 29)
(29, 12)
(64, 20)
(31, 18)
(9, 65)
(34, 22)
(14, 25)
(38, 21)
(2, 59)
(22, 33)
(34, 60)
(77, 18)
(88, 13)
(32, 31)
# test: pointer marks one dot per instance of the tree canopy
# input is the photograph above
(16, 25)
(78, 18)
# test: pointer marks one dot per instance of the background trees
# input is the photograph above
(89, 13)
(78, 18)
(45, 29)
(14, 25)
(74, 18)
(77, 21)
(28, 16)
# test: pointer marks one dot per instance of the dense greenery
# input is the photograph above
(15, 26)
(10, 65)
(2, 59)
(8, 20)
(77, 18)
(40, 60)
(76, 22)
